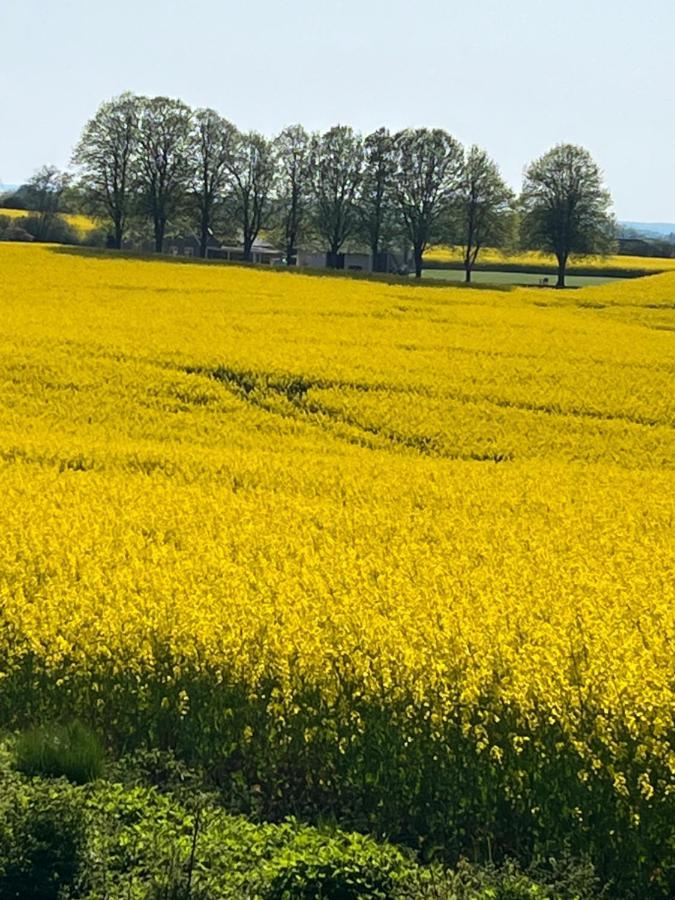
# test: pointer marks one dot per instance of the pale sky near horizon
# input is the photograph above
(515, 76)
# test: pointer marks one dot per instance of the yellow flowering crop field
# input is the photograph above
(83, 224)
(398, 554)
(491, 256)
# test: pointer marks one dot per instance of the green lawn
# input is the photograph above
(502, 278)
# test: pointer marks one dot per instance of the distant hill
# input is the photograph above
(650, 229)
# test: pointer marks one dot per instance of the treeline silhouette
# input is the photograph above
(157, 163)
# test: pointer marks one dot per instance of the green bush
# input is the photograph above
(557, 880)
(340, 867)
(175, 842)
(42, 839)
(96, 237)
(177, 849)
(11, 230)
(53, 229)
(70, 751)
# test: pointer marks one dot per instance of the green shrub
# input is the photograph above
(42, 839)
(70, 751)
(96, 237)
(174, 842)
(341, 867)
(558, 880)
(156, 768)
(53, 229)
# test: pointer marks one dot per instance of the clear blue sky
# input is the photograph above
(515, 76)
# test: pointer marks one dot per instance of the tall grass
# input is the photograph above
(71, 751)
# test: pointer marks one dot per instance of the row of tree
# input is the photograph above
(157, 158)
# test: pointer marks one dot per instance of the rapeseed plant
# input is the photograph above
(401, 554)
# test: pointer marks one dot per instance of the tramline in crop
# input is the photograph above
(401, 554)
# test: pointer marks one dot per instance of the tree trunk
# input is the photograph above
(292, 227)
(159, 235)
(291, 250)
(204, 237)
(119, 235)
(43, 225)
(562, 266)
(469, 260)
(375, 255)
(248, 244)
(418, 261)
(332, 260)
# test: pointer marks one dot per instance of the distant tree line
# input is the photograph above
(637, 242)
(155, 160)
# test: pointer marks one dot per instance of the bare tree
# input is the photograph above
(43, 194)
(428, 167)
(376, 198)
(253, 172)
(337, 160)
(164, 160)
(106, 153)
(294, 165)
(482, 207)
(213, 144)
(565, 206)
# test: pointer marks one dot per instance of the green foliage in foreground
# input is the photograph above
(71, 751)
(128, 839)
(43, 835)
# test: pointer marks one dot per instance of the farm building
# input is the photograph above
(261, 253)
(353, 262)
(179, 245)
(189, 245)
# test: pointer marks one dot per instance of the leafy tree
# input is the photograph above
(43, 839)
(482, 207)
(565, 206)
(337, 161)
(427, 172)
(252, 169)
(376, 196)
(12, 229)
(43, 194)
(163, 170)
(214, 140)
(293, 152)
(106, 154)
(56, 231)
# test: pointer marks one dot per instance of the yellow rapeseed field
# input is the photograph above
(83, 224)
(491, 256)
(401, 554)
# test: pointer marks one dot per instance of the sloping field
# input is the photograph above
(81, 223)
(397, 554)
(490, 256)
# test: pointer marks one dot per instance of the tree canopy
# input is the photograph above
(482, 207)
(337, 162)
(427, 172)
(106, 154)
(565, 206)
(155, 160)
